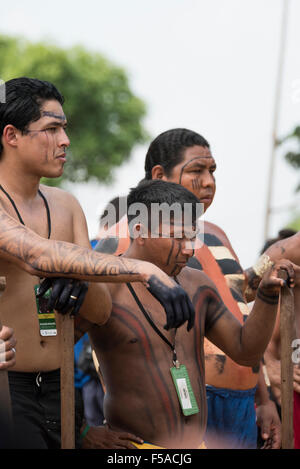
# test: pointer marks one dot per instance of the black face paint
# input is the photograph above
(170, 253)
(52, 114)
(193, 159)
(196, 184)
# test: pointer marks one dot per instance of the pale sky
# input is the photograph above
(207, 65)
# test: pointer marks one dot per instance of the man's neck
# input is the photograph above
(17, 182)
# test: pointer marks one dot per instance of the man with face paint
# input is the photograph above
(166, 405)
(183, 156)
(37, 226)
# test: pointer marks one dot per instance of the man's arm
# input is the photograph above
(51, 258)
(246, 344)
(267, 417)
(288, 248)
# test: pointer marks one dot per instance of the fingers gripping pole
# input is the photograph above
(287, 335)
(6, 425)
(67, 389)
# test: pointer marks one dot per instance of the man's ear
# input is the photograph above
(10, 135)
(158, 172)
(139, 233)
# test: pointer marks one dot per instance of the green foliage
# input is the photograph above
(104, 116)
(293, 157)
(295, 224)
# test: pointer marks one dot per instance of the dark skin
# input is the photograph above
(135, 362)
(290, 249)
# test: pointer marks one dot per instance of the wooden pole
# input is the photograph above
(6, 422)
(287, 335)
(279, 77)
(67, 389)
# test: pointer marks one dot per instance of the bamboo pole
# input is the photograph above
(67, 389)
(277, 98)
(287, 335)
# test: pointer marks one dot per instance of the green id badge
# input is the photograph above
(46, 318)
(184, 390)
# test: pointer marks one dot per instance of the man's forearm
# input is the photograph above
(51, 258)
(258, 328)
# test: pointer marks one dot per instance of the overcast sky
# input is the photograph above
(208, 65)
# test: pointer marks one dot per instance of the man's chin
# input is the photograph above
(53, 174)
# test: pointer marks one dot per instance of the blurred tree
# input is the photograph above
(293, 157)
(295, 224)
(104, 116)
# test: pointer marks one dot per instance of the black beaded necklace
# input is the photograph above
(18, 213)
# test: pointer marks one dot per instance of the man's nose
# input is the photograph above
(64, 140)
(187, 248)
(207, 180)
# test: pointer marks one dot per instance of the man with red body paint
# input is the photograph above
(135, 351)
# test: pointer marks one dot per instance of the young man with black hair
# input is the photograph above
(33, 144)
(155, 380)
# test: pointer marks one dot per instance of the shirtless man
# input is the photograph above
(134, 356)
(285, 248)
(184, 157)
(33, 144)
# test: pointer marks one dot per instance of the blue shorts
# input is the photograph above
(231, 421)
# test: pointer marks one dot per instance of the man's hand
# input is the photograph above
(270, 426)
(175, 300)
(104, 438)
(7, 348)
(271, 282)
(67, 295)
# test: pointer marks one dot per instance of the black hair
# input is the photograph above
(282, 234)
(23, 98)
(158, 191)
(120, 209)
(167, 149)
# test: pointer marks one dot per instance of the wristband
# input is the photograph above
(262, 265)
(84, 432)
(270, 299)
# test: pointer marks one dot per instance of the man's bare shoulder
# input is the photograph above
(215, 230)
(56, 195)
(288, 248)
(191, 278)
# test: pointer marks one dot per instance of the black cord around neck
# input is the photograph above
(19, 215)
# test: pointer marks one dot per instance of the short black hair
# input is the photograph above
(23, 99)
(282, 234)
(167, 149)
(159, 192)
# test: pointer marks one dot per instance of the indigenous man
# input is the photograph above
(184, 157)
(139, 360)
(290, 249)
(33, 144)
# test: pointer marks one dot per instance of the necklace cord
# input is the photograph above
(152, 324)
(19, 215)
